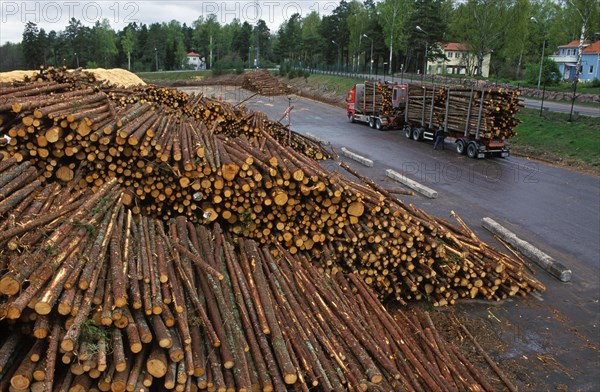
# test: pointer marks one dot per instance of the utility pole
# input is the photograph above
(534, 20)
(392, 41)
(156, 56)
(257, 37)
(338, 60)
(371, 67)
(419, 29)
(210, 56)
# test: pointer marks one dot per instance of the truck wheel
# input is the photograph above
(378, 125)
(350, 117)
(461, 146)
(407, 132)
(371, 122)
(472, 150)
(416, 135)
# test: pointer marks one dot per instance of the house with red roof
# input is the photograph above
(195, 61)
(458, 60)
(566, 58)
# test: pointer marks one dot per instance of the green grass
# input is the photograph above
(335, 84)
(555, 138)
(563, 87)
(150, 77)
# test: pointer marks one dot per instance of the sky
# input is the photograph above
(55, 15)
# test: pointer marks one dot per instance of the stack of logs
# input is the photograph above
(489, 112)
(262, 82)
(94, 297)
(374, 97)
(172, 164)
(74, 78)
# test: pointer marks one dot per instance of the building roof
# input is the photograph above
(574, 44)
(593, 48)
(455, 46)
(193, 54)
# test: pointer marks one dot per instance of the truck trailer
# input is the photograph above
(479, 121)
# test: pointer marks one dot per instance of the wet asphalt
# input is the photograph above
(551, 340)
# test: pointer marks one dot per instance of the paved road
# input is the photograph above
(593, 111)
(554, 338)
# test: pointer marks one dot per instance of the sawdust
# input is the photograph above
(118, 76)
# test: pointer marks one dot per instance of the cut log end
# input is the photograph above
(356, 209)
(42, 308)
(20, 382)
(290, 378)
(9, 286)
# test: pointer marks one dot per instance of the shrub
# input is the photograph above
(550, 73)
(229, 63)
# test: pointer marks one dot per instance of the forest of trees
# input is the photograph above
(341, 40)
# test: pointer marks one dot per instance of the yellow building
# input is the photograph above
(458, 61)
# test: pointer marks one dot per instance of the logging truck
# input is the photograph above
(421, 110)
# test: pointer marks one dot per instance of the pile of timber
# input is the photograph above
(489, 112)
(95, 297)
(373, 97)
(387, 107)
(219, 116)
(263, 83)
(172, 164)
(75, 78)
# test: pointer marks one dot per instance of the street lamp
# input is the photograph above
(156, 56)
(371, 66)
(534, 20)
(338, 59)
(77, 58)
(420, 30)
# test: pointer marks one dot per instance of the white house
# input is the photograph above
(457, 60)
(195, 61)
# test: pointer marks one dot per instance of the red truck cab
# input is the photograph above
(359, 108)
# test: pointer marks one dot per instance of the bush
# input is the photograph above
(550, 73)
(292, 74)
(595, 83)
(229, 63)
(91, 65)
(217, 70)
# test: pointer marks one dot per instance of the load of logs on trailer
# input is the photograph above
(262, 82)
(155, 240)
(491, 111)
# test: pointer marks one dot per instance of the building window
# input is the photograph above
(591, 69)
(449, 55)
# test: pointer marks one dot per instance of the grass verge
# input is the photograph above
(151, 77)
(329, 84)
(554, 138)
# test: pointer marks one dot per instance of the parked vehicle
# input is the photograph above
(421, 110)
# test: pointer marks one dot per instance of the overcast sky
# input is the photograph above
(55, 15)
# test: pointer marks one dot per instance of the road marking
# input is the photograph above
(422, 189)
(545, 261)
